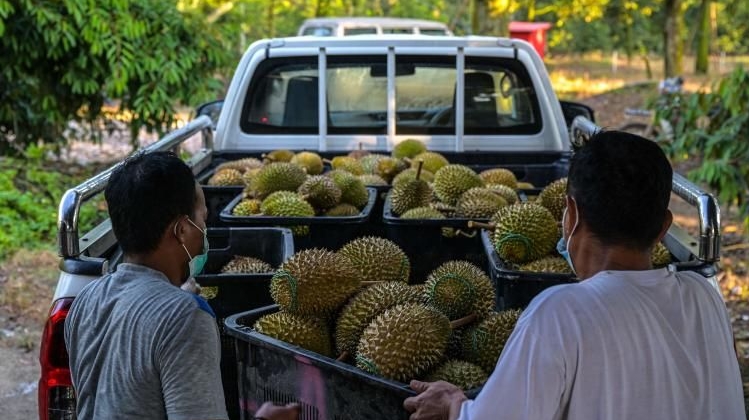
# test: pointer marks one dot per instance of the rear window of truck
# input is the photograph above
(283, 98)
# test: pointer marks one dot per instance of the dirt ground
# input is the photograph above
(28, 279)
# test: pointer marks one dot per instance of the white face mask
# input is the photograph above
(563, 246)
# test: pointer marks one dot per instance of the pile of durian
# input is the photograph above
(286, 184)
(525, 234)
(356, 305)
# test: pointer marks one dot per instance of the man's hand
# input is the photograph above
(435, 401)
(270, 411)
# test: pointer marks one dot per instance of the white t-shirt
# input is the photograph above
(622, 345)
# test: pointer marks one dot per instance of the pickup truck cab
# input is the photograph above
(347, 26)
(480, 101)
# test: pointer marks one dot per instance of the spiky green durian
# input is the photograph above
(433, 161)
(479, 203)
(460, 288)
(373, 180)
(553, 197)
(410, 194)
(403, 342)
(242, 165)
(408, 148)
(343, 210)
(320, 191)
(410, 173)
(348, 164)
(281, 176)
(314, 282)
(377, 259)
(311, 162)
(369, 163)
(524, 232)
(510, 195)
(288, 205)
(451, 181)
(353, 190)
(548, 265)
(499, 176)
(464, 375)
(364, 307)
(247, 207)
(243, 264)
(660, 255)
(226, 177)
(306, 332)
(483, 343)
(281, 155)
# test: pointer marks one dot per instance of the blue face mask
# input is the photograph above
(197, 263)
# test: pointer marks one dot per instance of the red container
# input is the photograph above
(533, 32)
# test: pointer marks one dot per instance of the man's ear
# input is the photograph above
(666, 224)
(179, 230)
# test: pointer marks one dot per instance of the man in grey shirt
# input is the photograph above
(139, 346)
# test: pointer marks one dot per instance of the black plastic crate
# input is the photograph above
(229, 294)
(324, 232)
(326, 389)
(515, 288)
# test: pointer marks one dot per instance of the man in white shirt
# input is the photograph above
(628, 341)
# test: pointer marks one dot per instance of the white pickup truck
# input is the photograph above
(479, 101)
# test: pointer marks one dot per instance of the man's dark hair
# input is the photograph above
(622, 185)
(144, 195)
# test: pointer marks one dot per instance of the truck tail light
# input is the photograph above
(56, 395)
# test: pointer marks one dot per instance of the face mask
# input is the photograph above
(196, 263)
(563, 246)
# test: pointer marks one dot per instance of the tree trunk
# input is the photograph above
(702, 64)
(475, 23)
(673, 47)
(271, 18)
(531, 10)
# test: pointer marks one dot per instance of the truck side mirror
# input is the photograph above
(211, 109)
(574, 109)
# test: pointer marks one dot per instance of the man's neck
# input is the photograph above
(158, 262)
(594, 258)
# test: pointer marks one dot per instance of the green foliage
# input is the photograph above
(29, 195)
(64, 59)
(714, 126)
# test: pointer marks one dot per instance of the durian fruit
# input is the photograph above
(247, 207)
(660, 255)
(310, 161)
(281, 155)
(479, 203)
(525, 186)
(483, 343)
(454, 348)
(288, 205)
(226, 177)
(369, 163)
(359, 153)
(273, 177)
(408, 148)
(373, 180)
(464, 375)
(524, 232)
(553, 197)
(388, 168)
(410, 173)
(499, 176)
(343, 210)
(314, 282)
(547, 265)
(446, 209)
(451, 181)
(306, 332)
(320, 191)
(459, 289)
(510, 195)
(242, 264)
(428, 213)
(433, 161)
(249, 175)
(348, 164)
(403, 342)
(410, 194)
(377, 259)
(279, 195)
(364, 307)
(353, 190)
(242, 165)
